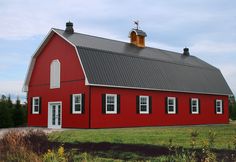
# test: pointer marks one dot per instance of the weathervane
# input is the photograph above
(136, 23)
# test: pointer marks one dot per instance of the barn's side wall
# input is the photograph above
(129, 118)
(72, 82)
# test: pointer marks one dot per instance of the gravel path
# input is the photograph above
(46, 130)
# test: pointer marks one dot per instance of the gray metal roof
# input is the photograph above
(113, 63)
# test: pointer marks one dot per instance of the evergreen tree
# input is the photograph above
(5, 112)
(18, 115)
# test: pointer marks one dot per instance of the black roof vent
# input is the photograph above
(186, 52)
(69, 28)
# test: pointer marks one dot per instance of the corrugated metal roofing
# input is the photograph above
(114, 63)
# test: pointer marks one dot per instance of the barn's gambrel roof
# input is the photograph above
(112, 63)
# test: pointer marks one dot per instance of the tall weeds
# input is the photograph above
(20, 146)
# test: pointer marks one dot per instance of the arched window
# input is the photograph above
(55, 70)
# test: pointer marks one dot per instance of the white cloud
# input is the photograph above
(12, 87)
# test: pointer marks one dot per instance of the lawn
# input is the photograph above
(157, 136)
(146, 144)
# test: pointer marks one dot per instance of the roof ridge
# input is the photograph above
(154, 48)
(146, 58)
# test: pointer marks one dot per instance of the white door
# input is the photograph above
(54, 115)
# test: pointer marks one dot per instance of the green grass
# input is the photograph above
(160, 136)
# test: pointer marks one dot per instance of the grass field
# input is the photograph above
(159, 136)
(208, 143)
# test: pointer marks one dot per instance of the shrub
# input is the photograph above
(194, 135)
(211, 138)
(55, 156)
(15, 149)
(37, 141)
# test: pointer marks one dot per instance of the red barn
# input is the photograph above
(81, 81)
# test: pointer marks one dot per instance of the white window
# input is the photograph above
(35, 105)
(171, 105)
(111, 104)
(77, 103)
(55, 70)
(219, 107)
(194, 106)
(143, 104)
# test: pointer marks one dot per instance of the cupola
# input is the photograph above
(137, 36)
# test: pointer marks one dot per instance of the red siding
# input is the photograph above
(72, 81)
(129, 118)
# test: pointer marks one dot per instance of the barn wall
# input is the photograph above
(72, 81)
(129, 118)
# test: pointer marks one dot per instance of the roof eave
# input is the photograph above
(155, 89)
(32, 62)
(39, 49)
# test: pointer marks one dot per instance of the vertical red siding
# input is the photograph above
(129, 118)
(72, 81)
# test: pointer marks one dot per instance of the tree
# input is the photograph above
(5, 112)
(232, 111)
(18, 113)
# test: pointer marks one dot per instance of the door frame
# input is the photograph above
(50, 117)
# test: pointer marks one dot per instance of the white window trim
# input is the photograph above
(33, 105)
(73, 104)
(174, 102)
(115, 104)
(197, 105)
(55, 84)
(221, 107)
(147, 104)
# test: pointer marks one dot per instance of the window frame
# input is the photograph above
(33, 105)
(174, 105)
(147, 105)
(197, 106)
(73, 103)
(115, 103)
(221, 106)
(54, 83)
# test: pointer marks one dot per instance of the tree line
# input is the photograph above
(12, 114)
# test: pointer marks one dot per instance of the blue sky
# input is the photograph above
(207, 27)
